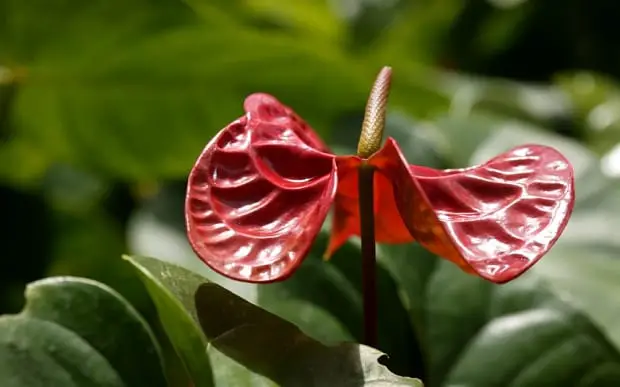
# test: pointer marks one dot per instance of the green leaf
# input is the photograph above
(315, 19)
(37, 29)
(127, 102)
(88, 308)
(39, 353)
(596, 101)
(173, 285)
(403, 31)
(248, 333)
(311, 318)
(322, 298)
(479, 334)
(171, 289)
(336, 287)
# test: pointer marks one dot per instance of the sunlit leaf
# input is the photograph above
(246, 333)
(171, 289)
(238, 332)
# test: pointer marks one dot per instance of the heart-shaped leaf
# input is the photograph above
(87, 308)
(39, 353)
(245, 347)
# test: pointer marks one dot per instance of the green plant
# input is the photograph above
(104, 106)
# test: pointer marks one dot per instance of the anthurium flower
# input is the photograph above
(262, 187)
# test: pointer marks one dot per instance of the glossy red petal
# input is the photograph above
(267, 108)
(259, 193)
(495, 219)
(389, 226)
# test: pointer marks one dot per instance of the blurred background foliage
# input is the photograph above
(105, 105)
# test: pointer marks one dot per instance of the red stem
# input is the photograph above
(369, 259)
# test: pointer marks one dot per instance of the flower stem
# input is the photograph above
(369, 143)
(369, 259)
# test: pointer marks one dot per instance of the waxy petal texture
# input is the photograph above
(259, 193)
(496, 219)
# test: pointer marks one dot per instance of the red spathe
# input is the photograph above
(261, 189)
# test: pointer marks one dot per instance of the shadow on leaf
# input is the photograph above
(278, 350)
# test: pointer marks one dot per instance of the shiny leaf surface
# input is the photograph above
(258, 194)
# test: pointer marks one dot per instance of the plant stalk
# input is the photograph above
(369, 143)
(369, 258)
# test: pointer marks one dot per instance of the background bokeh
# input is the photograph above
(105, 105)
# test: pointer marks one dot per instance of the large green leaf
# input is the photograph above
(39, 353)
(38, 29)
(245, 347)
(158, 228)
(144, 93)
(323, 299)
(77, 332)
(336, 287)
(315, 19)
(171, 289)
(276, 348)
(479, 334)
(87, 308)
